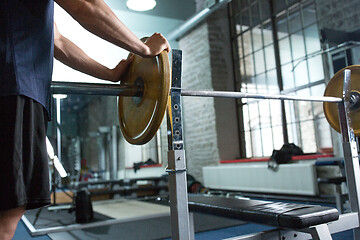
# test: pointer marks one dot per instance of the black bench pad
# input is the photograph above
(285, 215)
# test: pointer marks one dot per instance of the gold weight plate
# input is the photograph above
(141, 117)
(335, 89)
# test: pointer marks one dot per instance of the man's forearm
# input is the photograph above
(97, 17)
(71, 55)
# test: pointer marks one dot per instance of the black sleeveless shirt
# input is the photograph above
(26, 48)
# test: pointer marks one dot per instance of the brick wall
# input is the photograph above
(339, 15)
(210, 125)
(198, 113)
(223, 80)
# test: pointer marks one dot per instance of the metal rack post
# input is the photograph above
(350, 151)
(180, 224)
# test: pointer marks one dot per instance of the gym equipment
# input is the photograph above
(144, 96)
(284, 215)
(125, 187)
(181, 223)
(83, 206)
(141, 115)
(335, 89)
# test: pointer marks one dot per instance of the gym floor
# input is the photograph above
(23, 234)
(206, 227)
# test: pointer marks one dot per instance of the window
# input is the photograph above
(297, 71)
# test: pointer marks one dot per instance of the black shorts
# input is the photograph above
(24, 170)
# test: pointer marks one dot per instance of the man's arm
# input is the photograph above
(71, 55)
(97, 17)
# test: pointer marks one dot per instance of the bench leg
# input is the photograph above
(192, 226)
(339, 199)
(320, 232)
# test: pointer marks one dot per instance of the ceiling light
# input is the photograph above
(141, 5)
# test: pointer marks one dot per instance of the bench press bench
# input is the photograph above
(303, 218)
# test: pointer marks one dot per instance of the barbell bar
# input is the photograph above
(145, 89)
(133, 91)
(58, 87)
(228, 94)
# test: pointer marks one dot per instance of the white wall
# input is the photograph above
(105, 53)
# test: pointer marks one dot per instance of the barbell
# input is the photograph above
(334, 88)
(140, 116)
(145, 89)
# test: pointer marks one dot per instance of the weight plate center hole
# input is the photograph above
(354, 101)
(139, 84)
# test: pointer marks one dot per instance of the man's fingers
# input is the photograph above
(157, 43)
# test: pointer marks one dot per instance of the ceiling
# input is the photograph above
(177, 9)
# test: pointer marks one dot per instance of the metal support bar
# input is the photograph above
(180, 223)
(320, 232)
(350, 151)
(113, 153)
(345, 222)
(192, 226)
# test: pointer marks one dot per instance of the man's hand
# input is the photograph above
(156, 44)
(118, 72)
(71, 55)
(98, 18)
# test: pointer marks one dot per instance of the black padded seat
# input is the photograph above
(284, 215)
